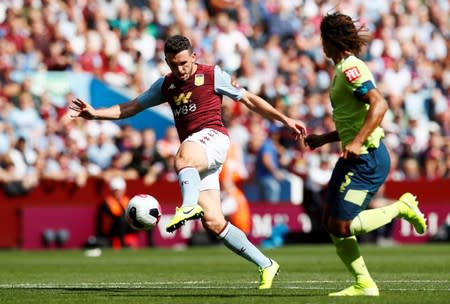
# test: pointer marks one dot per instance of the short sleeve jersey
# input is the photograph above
(197, 102)
(352, 80)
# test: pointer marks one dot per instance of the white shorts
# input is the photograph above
(216, 145)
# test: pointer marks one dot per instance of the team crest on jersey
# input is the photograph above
(351, 74)
(199, 79)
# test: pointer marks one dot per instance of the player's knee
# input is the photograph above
(213, 224)
(182, 162)
(339, 228)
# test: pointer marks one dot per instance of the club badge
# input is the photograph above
(199, 79)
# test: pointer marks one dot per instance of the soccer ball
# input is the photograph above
(143, 212)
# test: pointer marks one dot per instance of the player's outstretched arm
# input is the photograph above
(265, 109)
(314, 140)
(84, 110)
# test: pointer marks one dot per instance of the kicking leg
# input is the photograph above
(190, 160)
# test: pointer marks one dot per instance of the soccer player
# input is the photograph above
(358, 109)
(194, 92)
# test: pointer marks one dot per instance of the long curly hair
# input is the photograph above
(339, 32)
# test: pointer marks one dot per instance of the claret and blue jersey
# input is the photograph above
(196, 103)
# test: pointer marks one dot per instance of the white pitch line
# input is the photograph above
(382, 289)
(212, 285)
(378, 281)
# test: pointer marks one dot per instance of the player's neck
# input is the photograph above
(194, 69)
(342, 56)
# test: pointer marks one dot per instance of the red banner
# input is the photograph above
(60, 205)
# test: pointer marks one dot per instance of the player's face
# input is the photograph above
(181, 64)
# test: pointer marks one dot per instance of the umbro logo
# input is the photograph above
(172, 86)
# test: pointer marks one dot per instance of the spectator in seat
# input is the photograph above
(268, 168)
(146, 160)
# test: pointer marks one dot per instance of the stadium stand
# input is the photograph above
(271, 47)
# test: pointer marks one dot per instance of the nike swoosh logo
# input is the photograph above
(187, 212)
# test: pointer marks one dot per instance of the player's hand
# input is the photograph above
(81, 109)
(352, 150)
(314, 141)
(297, 127)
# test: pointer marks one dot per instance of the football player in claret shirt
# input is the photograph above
(194, 92)
(358, 109)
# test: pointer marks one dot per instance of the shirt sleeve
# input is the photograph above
(223, 86)
(153, 96)
(359, 78)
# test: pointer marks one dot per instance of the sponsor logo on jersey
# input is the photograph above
(351, 74)
(199, 79)
(185, 109)
(183, 104)
(182, 98)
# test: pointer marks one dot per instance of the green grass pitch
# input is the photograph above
(405, 274)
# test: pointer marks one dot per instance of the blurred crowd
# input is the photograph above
(270, 47)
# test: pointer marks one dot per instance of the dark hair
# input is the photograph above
(176, 44)
(339, 31)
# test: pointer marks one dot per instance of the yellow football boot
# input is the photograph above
(267, 274)
(409, 211)
(361, 288)
(182, 215)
